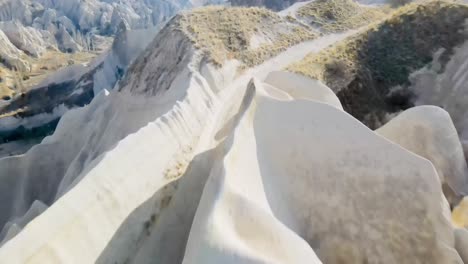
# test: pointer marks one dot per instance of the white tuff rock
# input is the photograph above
(428, 131)
(11, 55)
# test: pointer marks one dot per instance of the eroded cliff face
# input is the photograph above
(220, 177)
(194, 161)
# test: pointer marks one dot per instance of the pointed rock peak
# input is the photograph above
(123, 27)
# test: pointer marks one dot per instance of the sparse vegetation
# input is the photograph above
(252, 57)
(339, 15)
(226, 33)
(384, 56)
(14, 81)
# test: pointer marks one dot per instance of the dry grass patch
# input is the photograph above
(339, 15)
(13, 83)
(362, 69)
(227, 33)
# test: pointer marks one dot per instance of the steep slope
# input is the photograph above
(259, 35)
(268, 197)
(35, 114)
(445, 87)
(190, 160)
(27, 39)
(250, 35)
(243, 192)
(12, 56)
(436, 141)
(74, 26)
(364, 69)
(25, 118)
(69, 161)
(53, 35)
(147, 94)
(338, 15)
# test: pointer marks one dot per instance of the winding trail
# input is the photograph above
(279, 62)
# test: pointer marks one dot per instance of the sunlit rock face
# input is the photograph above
(271, 179)
(461, 243)
(446, 87)
(11, 55)
(277, 175)
(428, 131)
(189, 162)
(28, 39)
(58, 47)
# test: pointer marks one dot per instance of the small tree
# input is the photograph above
(336, 68)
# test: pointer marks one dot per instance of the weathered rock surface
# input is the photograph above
(428, 131)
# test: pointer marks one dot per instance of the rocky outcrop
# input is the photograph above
(27, 39)
(461, 243)
(50, 35)
(197, 158)
(35, 114)
(12, 56)
(219, 197)
(429, 132)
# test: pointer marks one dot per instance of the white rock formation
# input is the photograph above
(428, 131)
(11, 55)
(290, 181)
(447, 89)
(301, 87)
(22, 10)
(14, 227)
(184, 163)
(461, 243)
(127, 45)
(29, 174)
(66, 42)
(299, 171)
(27, 39)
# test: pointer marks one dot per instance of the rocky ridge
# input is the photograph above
(200, 157)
